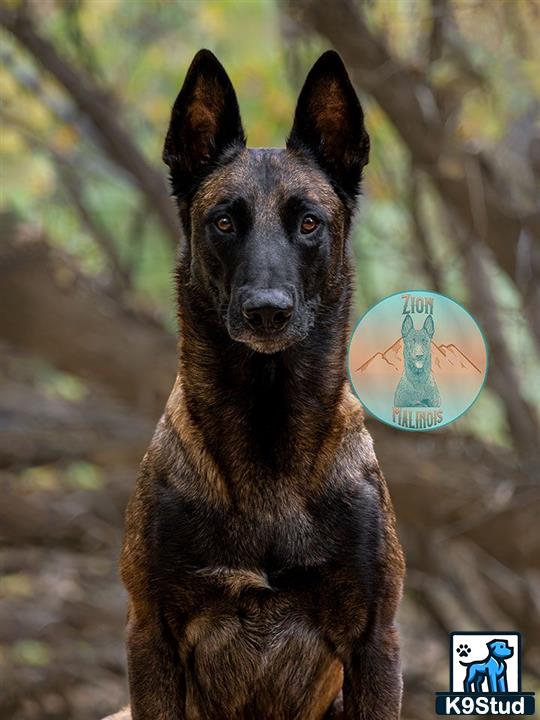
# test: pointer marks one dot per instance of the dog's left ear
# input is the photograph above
(329, 124)
(429, 326)
(205, 121)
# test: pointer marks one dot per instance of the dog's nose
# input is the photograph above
(267, 309)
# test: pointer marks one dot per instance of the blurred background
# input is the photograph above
(451, 91)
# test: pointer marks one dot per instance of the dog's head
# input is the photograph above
(500, 649)
(266, 229)
(417, 344)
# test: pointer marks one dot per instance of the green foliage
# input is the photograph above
(30, 652)
(54, 383)
(84, 476)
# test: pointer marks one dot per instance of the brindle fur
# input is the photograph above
(260, 553)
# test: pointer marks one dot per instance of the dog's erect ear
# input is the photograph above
(407, 326)
(329, 123)
(429, 326)
(205, 121)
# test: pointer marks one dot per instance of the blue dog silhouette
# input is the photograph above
(417, 386)
(493, 668)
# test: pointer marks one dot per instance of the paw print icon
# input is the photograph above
(463, 650)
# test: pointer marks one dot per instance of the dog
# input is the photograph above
(260, 554)
(417, 386)
(492, 669)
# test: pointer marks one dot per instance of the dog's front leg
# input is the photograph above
(373, 684)
(156, 675)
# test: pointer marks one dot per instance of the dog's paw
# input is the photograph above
(463, 650)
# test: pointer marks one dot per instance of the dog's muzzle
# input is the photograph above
(267, 311)
(268, 320)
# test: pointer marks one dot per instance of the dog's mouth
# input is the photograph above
(266, 341)
(419, 362)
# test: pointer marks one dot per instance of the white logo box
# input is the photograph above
(479, 651)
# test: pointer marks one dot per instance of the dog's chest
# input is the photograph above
(285, 563)
(276, 533)
(256, 588)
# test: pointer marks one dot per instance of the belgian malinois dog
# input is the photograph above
(260, 553)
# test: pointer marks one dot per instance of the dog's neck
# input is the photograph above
(257, 412)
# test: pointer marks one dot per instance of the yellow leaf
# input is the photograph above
(65, 137)
(11, 143)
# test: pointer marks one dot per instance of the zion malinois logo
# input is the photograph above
(417, 360)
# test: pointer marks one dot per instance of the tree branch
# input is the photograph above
(439, 14)
(49, 309)
(520, 415)
(121, 279)
(431, 269)
(39, 430)
(97, 106)
(119, 272)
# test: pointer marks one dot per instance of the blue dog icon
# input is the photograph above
(492, 669)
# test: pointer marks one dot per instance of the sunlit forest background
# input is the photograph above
(451, 202)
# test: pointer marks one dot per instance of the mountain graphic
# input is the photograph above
(444, 359)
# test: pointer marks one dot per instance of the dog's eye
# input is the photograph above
(309, 224)
(224, 224)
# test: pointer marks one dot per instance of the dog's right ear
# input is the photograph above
(407, 326)
(205, 121)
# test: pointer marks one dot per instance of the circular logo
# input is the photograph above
(417, 360)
